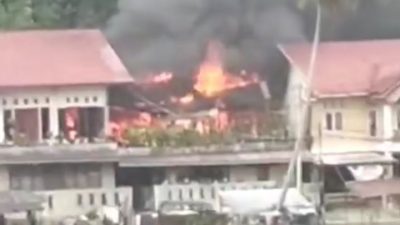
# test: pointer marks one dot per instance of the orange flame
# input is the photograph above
(157, 79)
(211, 79)
(186, 99)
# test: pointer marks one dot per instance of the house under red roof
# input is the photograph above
(359, 68)
(58, 57)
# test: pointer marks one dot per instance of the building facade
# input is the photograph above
(54, 115)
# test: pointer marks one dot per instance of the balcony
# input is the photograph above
(58, 153)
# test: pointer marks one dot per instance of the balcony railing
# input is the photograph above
(75, 202)
(202, 192)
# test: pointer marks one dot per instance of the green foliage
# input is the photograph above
(15, 14)
(162, 138)
(26, 14)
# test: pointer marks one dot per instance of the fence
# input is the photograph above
(202, 192)
(74, 202)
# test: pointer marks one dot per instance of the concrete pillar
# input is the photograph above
(387, 122)
(299, 173)
(387, 133)
(106, 121)
(54, 129)
(39, 128)
(4, 178)
(2, 135)
(108, 175)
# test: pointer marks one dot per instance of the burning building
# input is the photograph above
(212, 99)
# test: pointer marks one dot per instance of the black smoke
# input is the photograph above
(171, 35)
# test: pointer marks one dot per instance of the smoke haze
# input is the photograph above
(171, 35)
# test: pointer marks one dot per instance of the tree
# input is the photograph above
(26, 14)
(15, 14)
(45, 13)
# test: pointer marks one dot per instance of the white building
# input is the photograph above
(55, 84)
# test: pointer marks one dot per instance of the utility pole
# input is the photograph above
(302, 128)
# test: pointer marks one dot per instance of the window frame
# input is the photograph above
(372, 123)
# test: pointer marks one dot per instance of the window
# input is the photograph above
(372, 123)
(328, 121)
(263, 173)
(118, 202)
(50, 202)
(338, 121)
(103, 199)
(79, 200)
(91, 199)
(334, 121)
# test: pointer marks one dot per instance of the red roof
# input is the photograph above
(58, 57)
(350, 68)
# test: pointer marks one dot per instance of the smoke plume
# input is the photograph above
(171, 35)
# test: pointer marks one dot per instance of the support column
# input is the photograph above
(299, 173)
(53, 120)
(106, 121)
(387, 133)
(2, 135)
(40, 123)
(387, 122)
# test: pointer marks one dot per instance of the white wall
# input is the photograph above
(293, 99)
(57, 97)
(63, 203)
(202, 192)
(53, 98)
(108, 175)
